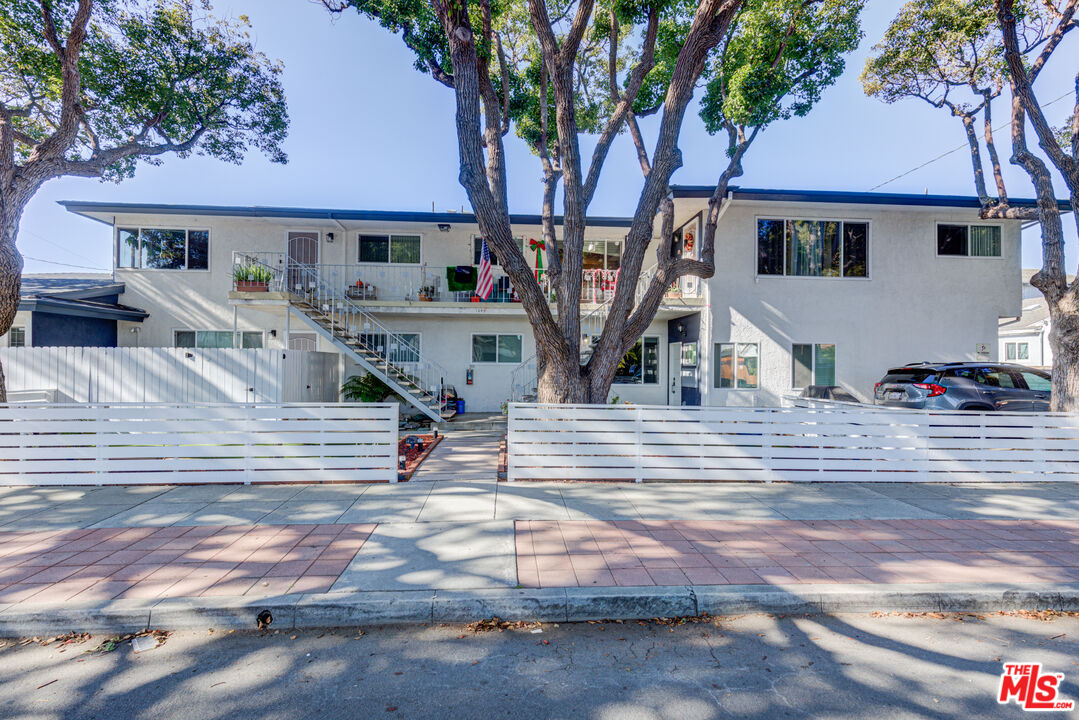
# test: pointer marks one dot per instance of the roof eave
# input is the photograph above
(88, 209)
(846, 197)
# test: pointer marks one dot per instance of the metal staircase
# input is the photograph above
(325, 306)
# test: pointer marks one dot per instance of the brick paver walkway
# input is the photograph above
(146, 562)
(663, 552)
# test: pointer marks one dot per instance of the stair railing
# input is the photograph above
(365, 334)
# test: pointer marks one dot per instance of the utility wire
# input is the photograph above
(957, 149)
(53, 262)
(55, 244)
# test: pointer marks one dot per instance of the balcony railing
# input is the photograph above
(259, 271)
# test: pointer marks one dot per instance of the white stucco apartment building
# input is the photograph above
(823, 288)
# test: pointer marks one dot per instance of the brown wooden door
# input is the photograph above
(302, 250)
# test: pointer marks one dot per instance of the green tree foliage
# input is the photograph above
(154, 77)
(365, 388)
(777, 62)
(948, 53)
(933, 48)
(90, 87)
(556, 70)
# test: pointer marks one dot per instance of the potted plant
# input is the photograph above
(252, 278)
(360, 289)
(427, 293)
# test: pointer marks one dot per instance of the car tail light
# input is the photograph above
(933, 388)
(877, 386)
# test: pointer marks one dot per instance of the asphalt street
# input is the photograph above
(755, 666)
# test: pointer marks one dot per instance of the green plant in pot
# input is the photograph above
(252, 278)
(368, 389)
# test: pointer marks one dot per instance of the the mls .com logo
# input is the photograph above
(1031, 689)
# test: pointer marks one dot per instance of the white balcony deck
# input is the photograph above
(426, 290)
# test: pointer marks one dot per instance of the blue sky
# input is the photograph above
(370, 132)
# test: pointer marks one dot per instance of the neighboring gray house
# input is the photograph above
(1025, 339)
(70, 309)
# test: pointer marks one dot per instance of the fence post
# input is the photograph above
(510, 474)
(922, 444)
(249, 450)
(100, 466)
(637, 434)
(391, 433)
(766, 448)
(1039, 432)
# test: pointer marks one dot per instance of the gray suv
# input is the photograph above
(965, 386)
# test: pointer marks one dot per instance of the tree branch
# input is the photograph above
(624, 104)
(638, 143)
(572, 42)
(491, 214)
(991, 146)
(504, 70)
(1022, 84)
(52, 149)
(710, 23)
(493, 120)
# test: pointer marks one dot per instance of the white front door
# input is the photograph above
(674, 374)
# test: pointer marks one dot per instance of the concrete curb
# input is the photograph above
(338, 609)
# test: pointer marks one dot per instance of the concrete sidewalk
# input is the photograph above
(83, 557)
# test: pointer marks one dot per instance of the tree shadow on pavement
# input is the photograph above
(756, 666)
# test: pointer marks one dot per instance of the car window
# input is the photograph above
(1036, 381)
(996, 378)
(908, 375)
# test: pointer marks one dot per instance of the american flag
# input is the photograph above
(485, 284)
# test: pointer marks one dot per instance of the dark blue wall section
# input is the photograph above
(690, 333)
(52, 330)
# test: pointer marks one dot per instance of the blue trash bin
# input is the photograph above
(460, 407)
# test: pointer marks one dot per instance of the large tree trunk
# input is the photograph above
(1064, 340)
(561, 379)
(10, 281)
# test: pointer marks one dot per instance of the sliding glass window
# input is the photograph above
(968, 240)
(162, 249)
(812, 248)
(812, 365)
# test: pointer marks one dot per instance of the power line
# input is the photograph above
(53, 262)
(55, 244)
(957, 149)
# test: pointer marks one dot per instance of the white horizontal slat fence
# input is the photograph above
(173, 375)
(114, 444)
(650, 443)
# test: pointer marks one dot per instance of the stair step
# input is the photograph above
(347, 338)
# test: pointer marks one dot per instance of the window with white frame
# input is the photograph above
(477, 249)
(968, 240)
(389, 249)
(162, 248)
(812, 364)
(399, 348)
(602, 254)
(16, 337)
(812, 248)
(737, 366)
(1017, 351)
(639, 366)
(496, 348)
(216, 339)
